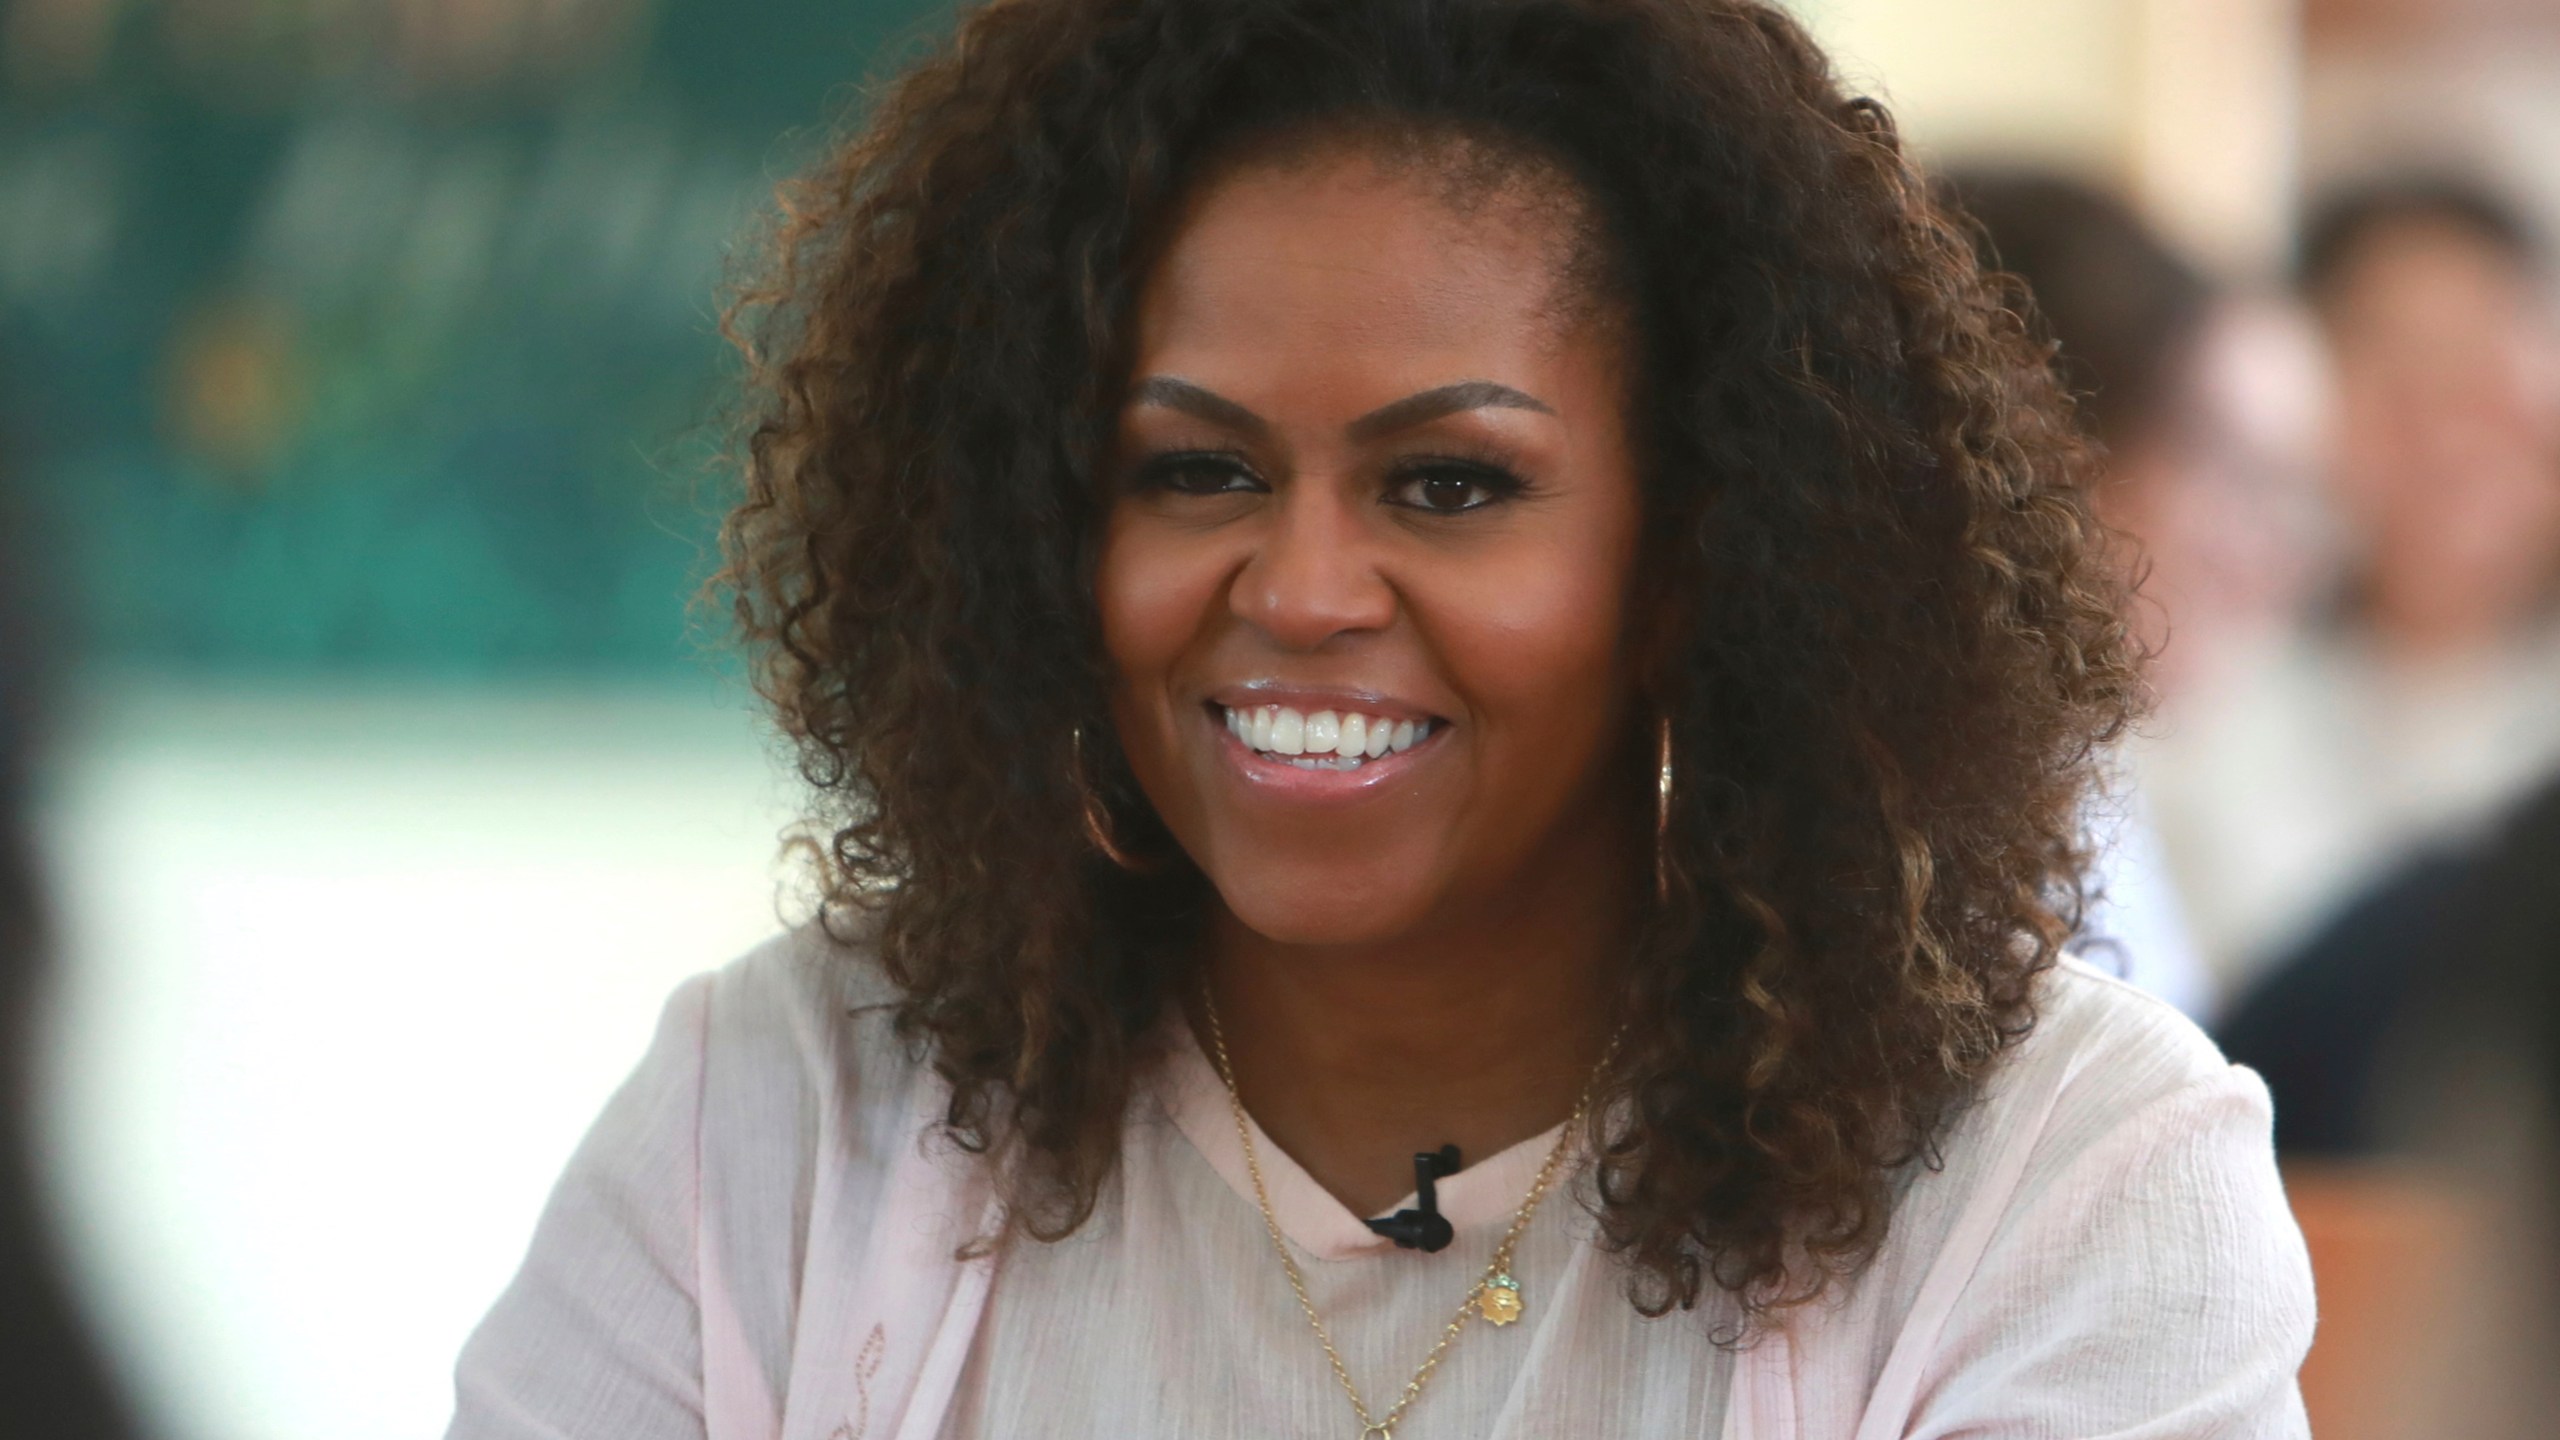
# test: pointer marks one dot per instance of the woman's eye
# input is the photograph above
(1449, 489)
(1198, 473)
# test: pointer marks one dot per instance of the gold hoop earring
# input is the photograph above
(1662, 812)
(1097, 825)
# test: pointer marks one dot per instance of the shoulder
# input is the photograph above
(2103, 1239)
(779, 1066)
(801, 988)
(2114, 1126)
(803, 1023)
(668, 1266)
(808, 1098)
(2112, 1088)
(2101, 1048)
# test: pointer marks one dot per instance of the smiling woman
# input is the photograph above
(1472, 595)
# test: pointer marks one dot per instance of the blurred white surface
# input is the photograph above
(2191, 105)
(344, 977)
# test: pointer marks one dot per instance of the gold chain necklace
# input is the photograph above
(1495, 1295)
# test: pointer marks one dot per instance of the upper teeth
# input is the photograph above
(1344, 738)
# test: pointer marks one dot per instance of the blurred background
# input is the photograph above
(360, 455)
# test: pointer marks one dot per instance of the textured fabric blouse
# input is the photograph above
(2104, 1251)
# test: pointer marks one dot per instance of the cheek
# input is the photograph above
(1129, 595)
(1155, 590)
(1537, 644)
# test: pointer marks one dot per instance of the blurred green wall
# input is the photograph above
(379, 335)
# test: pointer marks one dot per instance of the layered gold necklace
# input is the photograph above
(1496, 1294)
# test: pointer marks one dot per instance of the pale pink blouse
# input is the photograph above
(759, 1240)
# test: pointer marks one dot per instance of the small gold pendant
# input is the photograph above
(1500, 1302)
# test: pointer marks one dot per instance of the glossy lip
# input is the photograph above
(1280, 780)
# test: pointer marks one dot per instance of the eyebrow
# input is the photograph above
(1446, 400)
(1190, 399)
(1397, 415)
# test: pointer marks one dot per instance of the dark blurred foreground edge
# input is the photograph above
(52, 1383)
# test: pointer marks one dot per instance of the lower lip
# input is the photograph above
(1274, 776)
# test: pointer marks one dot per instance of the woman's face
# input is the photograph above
(2222, 492)
(1365, 579)
(2449, 456)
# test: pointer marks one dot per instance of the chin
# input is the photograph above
(1322, 906)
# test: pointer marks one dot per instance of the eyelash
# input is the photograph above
(1490, 474)
(1160, 472)
(1497, 480)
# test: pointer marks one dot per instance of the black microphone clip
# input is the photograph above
(1426, 1228)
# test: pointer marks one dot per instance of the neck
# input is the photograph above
(1481, 1032)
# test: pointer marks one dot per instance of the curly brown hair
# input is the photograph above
(1894, 647)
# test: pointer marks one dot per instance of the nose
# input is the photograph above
(1315, 573)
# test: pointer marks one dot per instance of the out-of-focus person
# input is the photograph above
(2413, 1050)
(2434, 304)
(2427, 696)
(2212, 406)
(55, 1384)
(2212, 403)
(2409, 1032)
(2288, 763)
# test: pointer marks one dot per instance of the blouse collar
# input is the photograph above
(1482, 1196)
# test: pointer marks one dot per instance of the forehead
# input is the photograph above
(1352, 255)
(2424, 253)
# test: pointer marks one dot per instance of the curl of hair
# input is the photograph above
(1891, 648)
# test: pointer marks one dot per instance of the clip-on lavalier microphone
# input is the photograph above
(1425, 1228)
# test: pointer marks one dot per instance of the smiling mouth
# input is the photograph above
(1324, 740)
